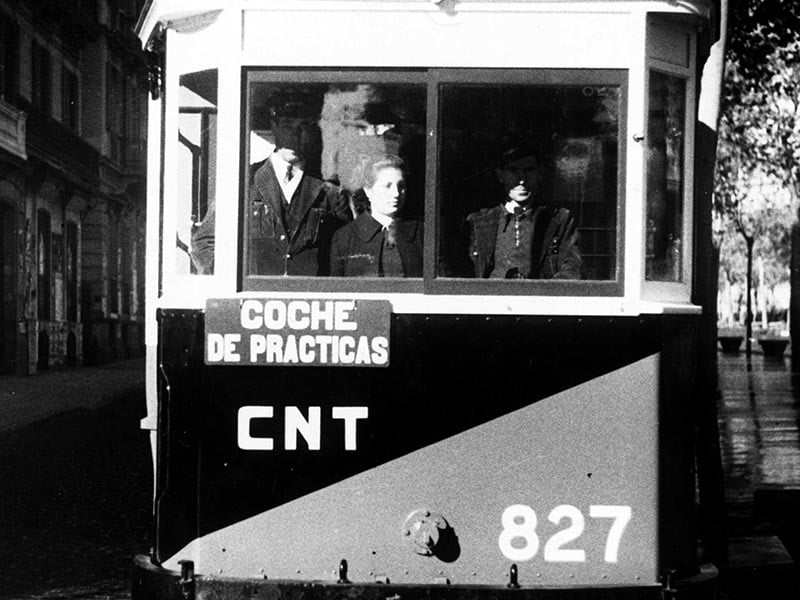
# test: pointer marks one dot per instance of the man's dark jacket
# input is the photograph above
(555, 252)
(293, 238)
(356, 247)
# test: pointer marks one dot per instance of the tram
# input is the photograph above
(494, 403)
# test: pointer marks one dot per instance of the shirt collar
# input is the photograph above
(384, 220)
(513, 207)
(280, 165)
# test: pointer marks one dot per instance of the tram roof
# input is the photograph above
(171, 11)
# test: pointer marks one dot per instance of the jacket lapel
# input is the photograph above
(303, 199)
(271, 189)
(367, 227)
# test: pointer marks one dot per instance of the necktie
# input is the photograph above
(289, 172)
(389, 235)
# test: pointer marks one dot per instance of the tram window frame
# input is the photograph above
(433, 78)
(671, 51)
(260, 75)
(544, 77)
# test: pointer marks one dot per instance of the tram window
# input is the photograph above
(665, 180)
(197, 155)
(314, 146)
(553, 150)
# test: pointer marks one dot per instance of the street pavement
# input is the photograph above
(759, 425)
(75, 483)
(25, 400)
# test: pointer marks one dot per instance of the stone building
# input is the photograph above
(73, 96)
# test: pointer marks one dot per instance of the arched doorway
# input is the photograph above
(8, 292)
(72, 350)
(43, 357)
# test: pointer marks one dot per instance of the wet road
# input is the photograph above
(75, 503)
(759, 419)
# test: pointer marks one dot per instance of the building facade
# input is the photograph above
(73, 94)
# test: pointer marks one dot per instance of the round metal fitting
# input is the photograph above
(422, 530)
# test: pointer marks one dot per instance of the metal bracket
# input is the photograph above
(513, 574)
(187, 579)
(669, 592)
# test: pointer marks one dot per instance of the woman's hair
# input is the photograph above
(365, 175)
(370, 168)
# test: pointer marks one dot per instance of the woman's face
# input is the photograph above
(387, 194)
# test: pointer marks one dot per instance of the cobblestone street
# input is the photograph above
(75, 500)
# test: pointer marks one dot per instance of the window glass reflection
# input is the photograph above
(197, 159)
(528, 181)
(329, 156)
(665, 140)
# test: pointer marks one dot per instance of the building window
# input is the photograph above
(9, 57)
(44, 265)
(114, 112)
(126, 261)
(114, 262)
(134, 133)
(71, 275)
(41, 78)
(70, 99)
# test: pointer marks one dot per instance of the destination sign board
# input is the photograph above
(297, 331)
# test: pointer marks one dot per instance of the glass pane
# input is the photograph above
(336, 179)
(197, 165)
(665, 139)
(529, 181)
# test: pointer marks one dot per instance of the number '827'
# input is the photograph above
(519, 540)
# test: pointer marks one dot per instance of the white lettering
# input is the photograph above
(362, 352)
(380, 350)
(350, 415)
(274, 314)
(250, 315)
(290, 350)
(343, 322)
(274, 348)
(297, 315)
(214, 347)
(323, 342)
(306, 349)
(309, 429)
(245, 440)
(346, 346)
(258, 345)
(230, 342)
(321, 313)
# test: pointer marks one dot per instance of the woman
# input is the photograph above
(380, 243)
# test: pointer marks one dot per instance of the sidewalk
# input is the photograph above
(24, 400)
(759, 426)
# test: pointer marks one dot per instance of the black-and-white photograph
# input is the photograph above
(399, 299)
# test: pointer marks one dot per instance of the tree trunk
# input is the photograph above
(748, 319)
(794, 301)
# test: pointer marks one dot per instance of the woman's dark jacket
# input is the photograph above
(356, 247)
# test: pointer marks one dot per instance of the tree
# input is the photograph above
(759, 136)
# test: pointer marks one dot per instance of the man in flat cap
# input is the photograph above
(520, 238)
(293, 214)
